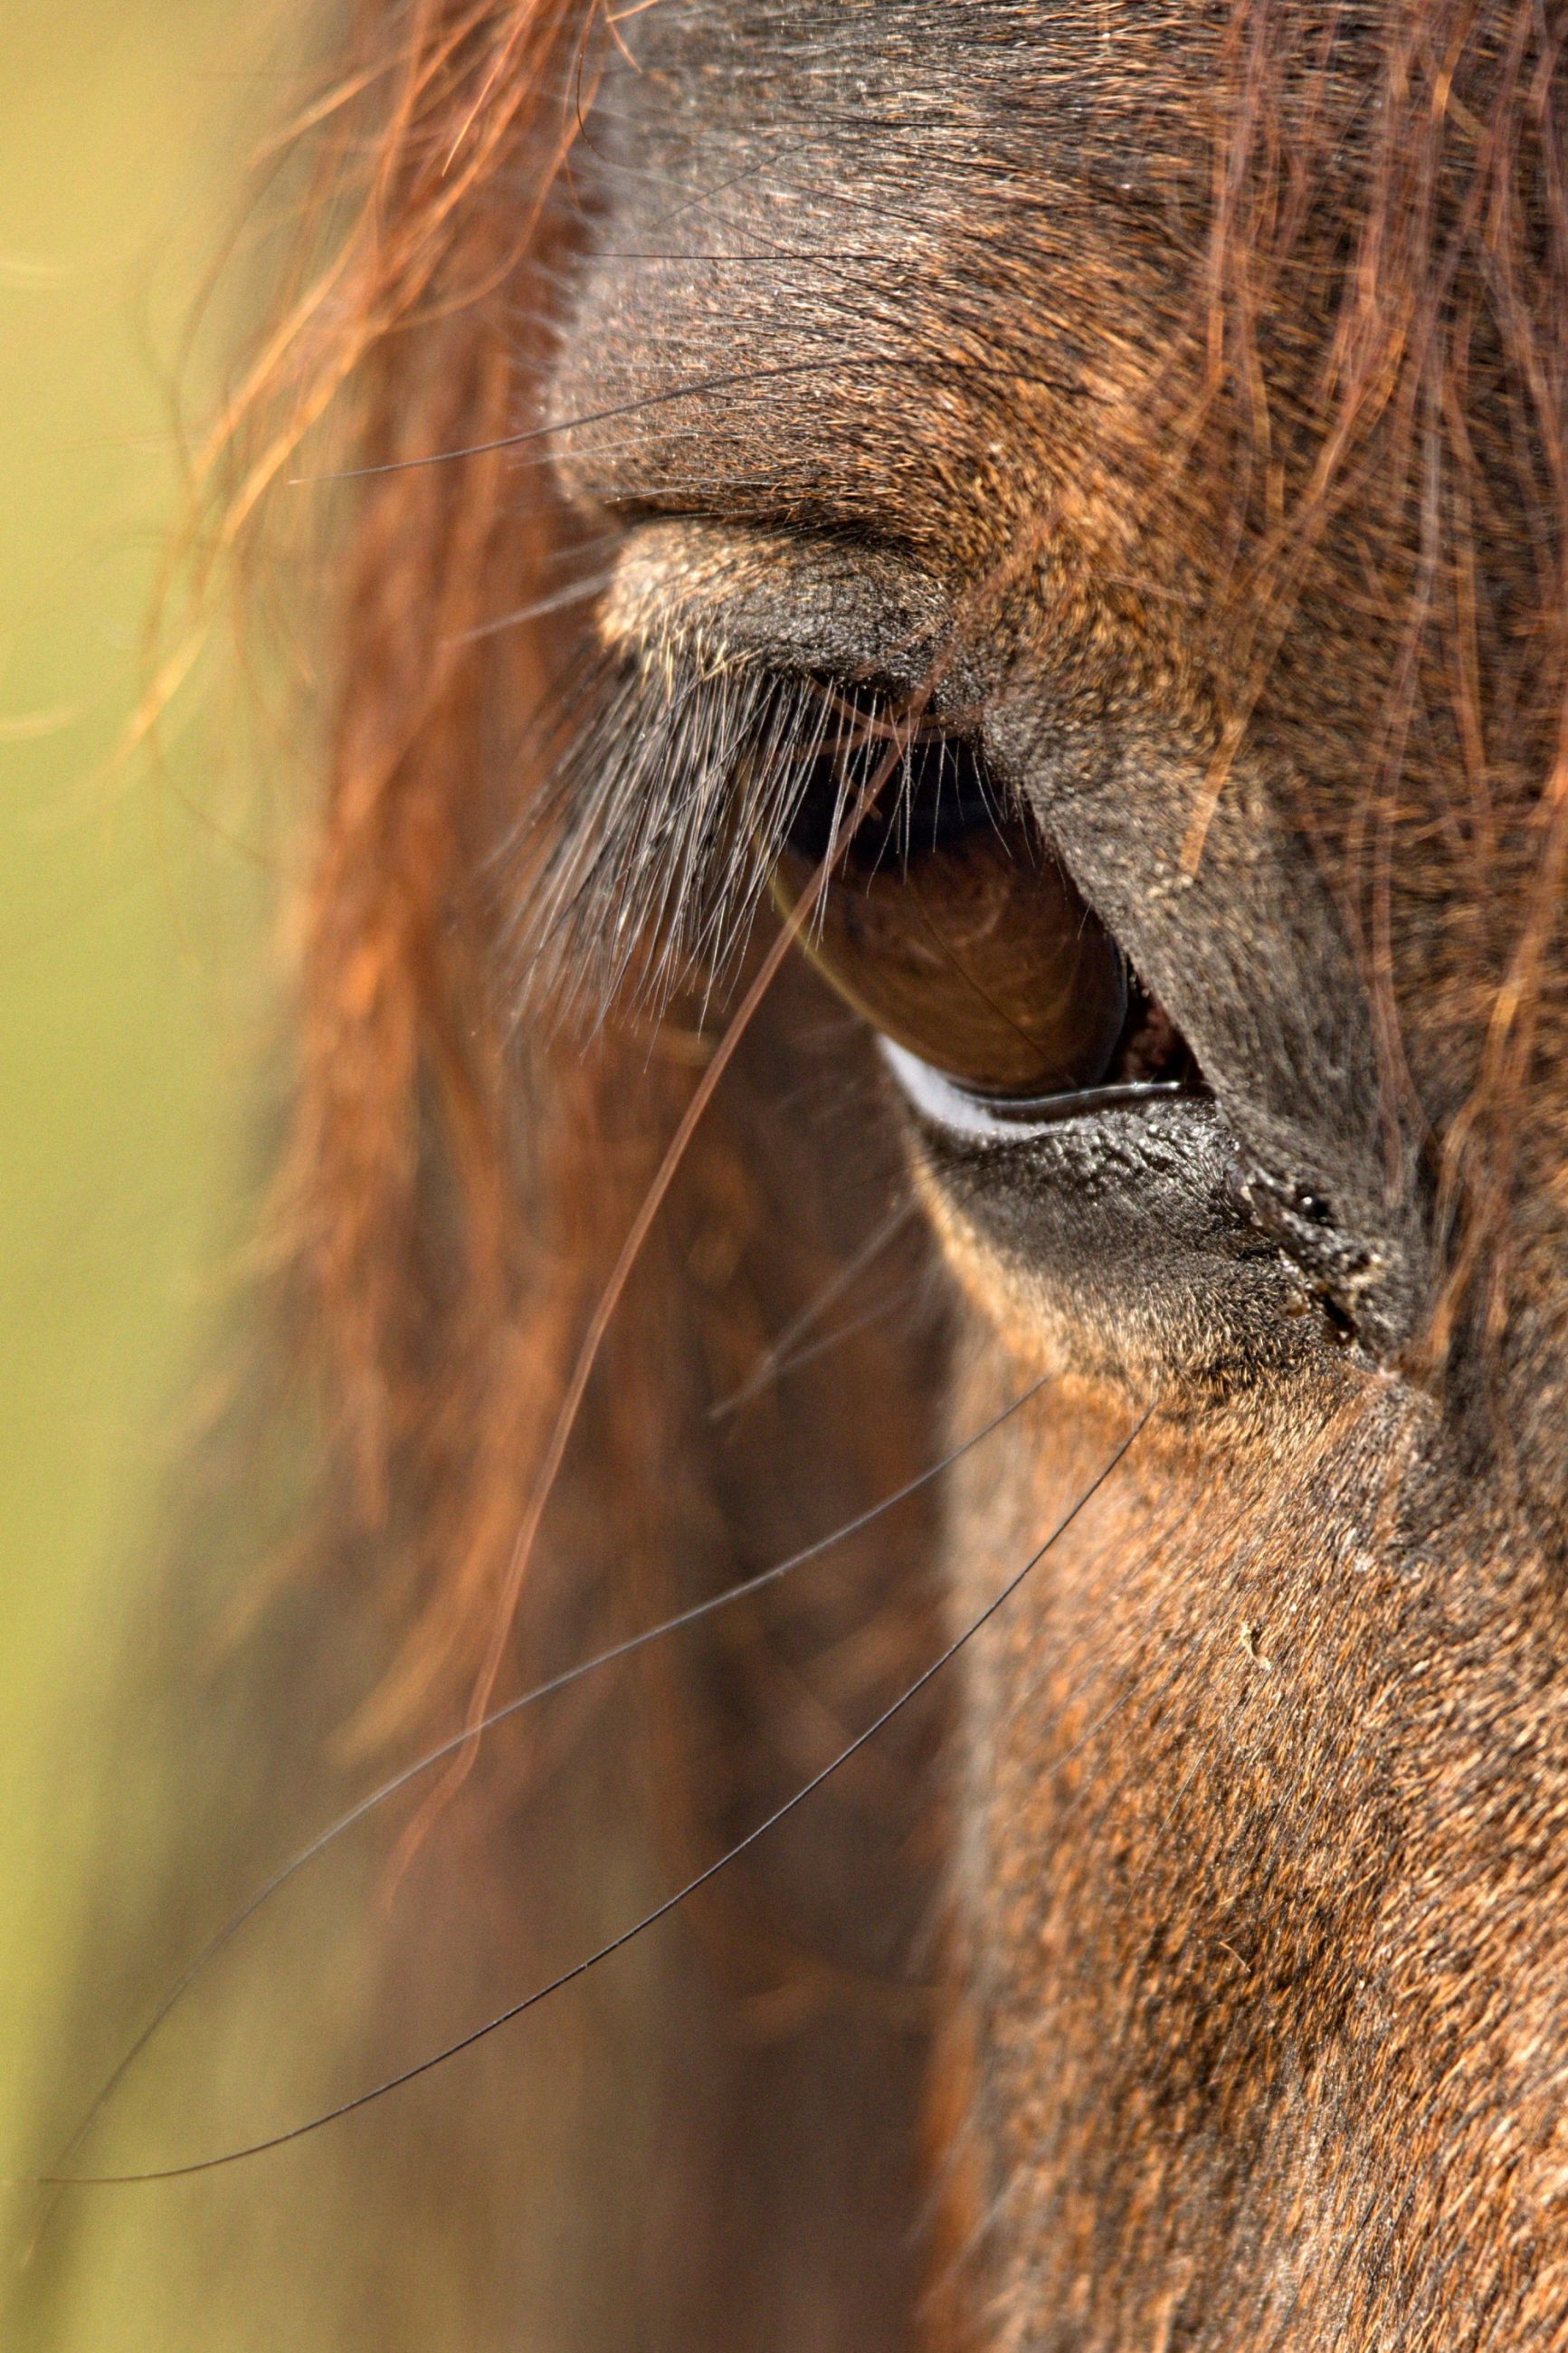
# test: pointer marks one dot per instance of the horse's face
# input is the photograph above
(917, 360)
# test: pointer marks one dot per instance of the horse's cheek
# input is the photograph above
(1184, 1832)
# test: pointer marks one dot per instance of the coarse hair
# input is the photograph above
(1376, 232)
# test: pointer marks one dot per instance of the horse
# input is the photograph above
(901, 1502)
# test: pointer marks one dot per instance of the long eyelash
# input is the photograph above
(673, 796)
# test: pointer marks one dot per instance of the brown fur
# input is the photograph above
(1205, 370)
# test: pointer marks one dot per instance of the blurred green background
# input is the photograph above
(132, 894)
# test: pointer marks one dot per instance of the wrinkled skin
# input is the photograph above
(1261, 1880)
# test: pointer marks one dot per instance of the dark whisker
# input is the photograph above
(638, 1927)
(842, 1333)
(775, 1358)
(579, 592)
(462, 1741)
(701, 385)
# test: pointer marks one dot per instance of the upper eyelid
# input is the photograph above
(796, 606)
(650, 786)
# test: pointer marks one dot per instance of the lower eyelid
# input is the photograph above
(937, 1099)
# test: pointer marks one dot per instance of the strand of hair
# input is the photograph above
(640, 1927)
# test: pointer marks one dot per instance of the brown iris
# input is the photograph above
(948, 925)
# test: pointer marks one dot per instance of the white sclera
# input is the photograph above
(936, 1098)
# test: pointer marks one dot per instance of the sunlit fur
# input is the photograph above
(1185, 389)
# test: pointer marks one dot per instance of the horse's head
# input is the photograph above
(965, 601)
(1091, 481)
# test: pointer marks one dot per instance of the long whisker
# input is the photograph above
(408, 1773)
(576, 592)
(812, 1351)
(573, 423)
(776, 1357)
(648, 1920)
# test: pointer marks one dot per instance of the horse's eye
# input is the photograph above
(946, 922)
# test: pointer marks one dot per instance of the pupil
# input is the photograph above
(936, 797)
(947, 922)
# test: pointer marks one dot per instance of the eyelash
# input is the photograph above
(665, 813)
